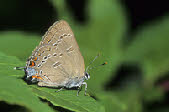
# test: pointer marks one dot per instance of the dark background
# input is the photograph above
(17, 15)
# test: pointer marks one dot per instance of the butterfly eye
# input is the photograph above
(87, 75)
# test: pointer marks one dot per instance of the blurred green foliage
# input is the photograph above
(104, 33)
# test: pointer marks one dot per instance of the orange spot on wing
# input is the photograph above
(35, 59)
(34, 77)
(32, 64)
(37, 77)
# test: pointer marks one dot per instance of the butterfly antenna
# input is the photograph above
(97, 66)
(92, 62)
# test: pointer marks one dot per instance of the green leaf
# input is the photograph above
(112, 102)
(150, 49)
(7, 64)
(69, 100)
(121, 101)
(14, 90)
(18, 44)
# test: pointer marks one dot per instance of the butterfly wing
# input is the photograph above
(59, 57)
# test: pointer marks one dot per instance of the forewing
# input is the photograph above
(59, 57)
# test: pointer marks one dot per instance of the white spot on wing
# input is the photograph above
(55, 65)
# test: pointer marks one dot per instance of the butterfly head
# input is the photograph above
(30, 72)
(87, 76)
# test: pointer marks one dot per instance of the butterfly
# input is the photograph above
(57, 60)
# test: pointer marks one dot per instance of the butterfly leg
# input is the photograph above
(59, 89)
(79, 89)
(84, 83)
